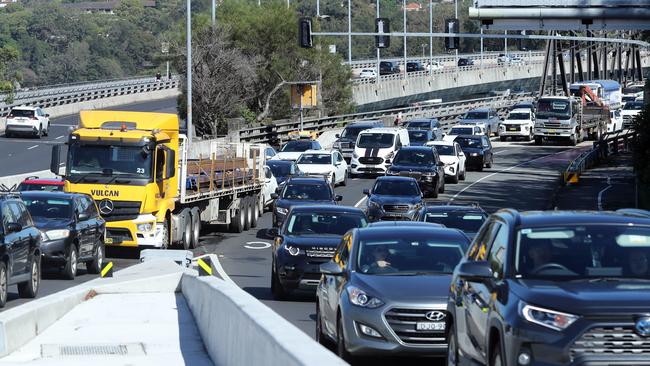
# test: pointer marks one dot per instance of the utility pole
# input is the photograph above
(188, 37)
(213, 14)
(456, 16)
(349, 31)
(317, 8)
(404, 12)
(430, 37)
(378, 50)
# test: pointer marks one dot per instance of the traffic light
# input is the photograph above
(382, 25)
(452, 26)
(304, 30)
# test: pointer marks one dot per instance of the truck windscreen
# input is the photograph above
(129, 161)
(555, 108)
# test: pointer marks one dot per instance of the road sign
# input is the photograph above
(452, 26)
(382, 25)
(304, 96)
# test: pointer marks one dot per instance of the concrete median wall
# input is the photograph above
(238, 330)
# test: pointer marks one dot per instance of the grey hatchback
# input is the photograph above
(385, 290)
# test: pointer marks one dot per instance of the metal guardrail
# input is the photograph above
(372, 63)
(447, 114)
(69, 94)
(611, 143)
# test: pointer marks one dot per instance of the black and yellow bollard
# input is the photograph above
(205, 266)
(107, 270)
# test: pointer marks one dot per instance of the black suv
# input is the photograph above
(301, 191)
(309, 238)
(553, 288)
(466, 217)
(20, 249)
(388, 68)
(477, 150)
(73, 231)
(422, 163)
(394, 199)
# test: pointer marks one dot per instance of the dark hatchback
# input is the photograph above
(477, 150)
(72, 230)
(420, 137)
(422, 163)
(301, 191)
(307, 239)
(283, 170)
(467, 218)
(393, 198)
(553, 288)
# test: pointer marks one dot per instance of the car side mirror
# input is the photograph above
(47, 115)
(366, 191)
(82, 216)
(338, 163)
(14, 227)
(274, 196)
(338, 135)
(338, 198)
(55, 159)
(273, 232)
(331, 268)
(440, 163)
(475, 271)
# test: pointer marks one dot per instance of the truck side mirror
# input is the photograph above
(55, 161)
(170, 164)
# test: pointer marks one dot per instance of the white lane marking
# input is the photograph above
(61, 125)
(502, 171)
(257, 245)
(500, 151)
(217, 265)
(32, 147)
(360, 201)
(600, 194)
(60, 137)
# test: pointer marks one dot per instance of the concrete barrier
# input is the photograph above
(239, 330)
(10, 180)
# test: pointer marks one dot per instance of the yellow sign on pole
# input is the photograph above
(304, 96)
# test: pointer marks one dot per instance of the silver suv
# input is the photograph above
(385, 290)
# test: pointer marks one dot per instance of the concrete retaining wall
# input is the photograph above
(238, 330)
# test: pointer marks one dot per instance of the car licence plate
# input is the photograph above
(430, 326)
(551, 131)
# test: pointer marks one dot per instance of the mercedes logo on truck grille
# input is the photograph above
(106, 206)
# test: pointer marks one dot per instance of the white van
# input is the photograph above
(376, 148)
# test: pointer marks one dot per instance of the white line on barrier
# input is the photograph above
(502, 171)
(217, 265)
(60, 137)
(32, 147)
(360, 201)
(600, 194)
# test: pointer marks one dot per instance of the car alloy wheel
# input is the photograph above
(3, 284)
(452, 349)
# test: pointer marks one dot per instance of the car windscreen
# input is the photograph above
(633, 106)
(396, 188)
(468, 222)
(468, 142)
(280, 170)
(461, 131)
(306, 223)
(413, 253)
(310, 192)
(557, 108)
(375, 140)
(445, 150)
(418, 136)
(21, 113)
(351, 133)
(418, 124)
(414, 157)
(314, 159)
(40, 207)
(297, 146)
(476, 115)
(22, 187)
(519, 116)
(577, 252)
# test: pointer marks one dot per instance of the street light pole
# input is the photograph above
(378, 50)
(456, 16)
(189, 73)
(213, 14)
(349, 32)
(317, 8)
(404, 15)
(430, 38)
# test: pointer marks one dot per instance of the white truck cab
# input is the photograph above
(375, 149)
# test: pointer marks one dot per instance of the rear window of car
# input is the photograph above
(39, 187)
(21, 113)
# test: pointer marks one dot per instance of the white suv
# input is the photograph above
(27, 120)
(520, 123)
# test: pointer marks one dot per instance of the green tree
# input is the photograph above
(7, 55)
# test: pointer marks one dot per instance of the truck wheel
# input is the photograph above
(237, 221)
(187, 230)
(573, 140)
(538, 140)
(29, 289)
(255, 203)
(248, 210)
(165, 235)
(196, 228)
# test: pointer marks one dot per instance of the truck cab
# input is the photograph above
(556, 119)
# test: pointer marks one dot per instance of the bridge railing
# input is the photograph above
(447, 113)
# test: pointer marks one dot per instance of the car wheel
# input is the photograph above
(452, 349)
(29, 289)
(345, 179)
(333, 181)
(462, 176)
(46, 131)
(95, 266)
(277, 290)
(433, 193)
(39, 133)
(70, 268)
(489, 164)
(3, 285)
(341, 351)
(538, 140)
(497, 357)
(320, 335)
(479, 167)
(8, 134)
(503, 138)
(530, 136)
(442, 187)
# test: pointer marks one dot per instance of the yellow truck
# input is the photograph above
(153, 188)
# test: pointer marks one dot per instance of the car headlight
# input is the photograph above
(145, 227)
(56, 234)
(547, 318)
(392, 172)
(389, 156)
(336, 145)
(373, 204)
(355, 155)
(473, 154)
(360, 298)
(502, 127)
(294, 251)
(281, 210)
(527, 128)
